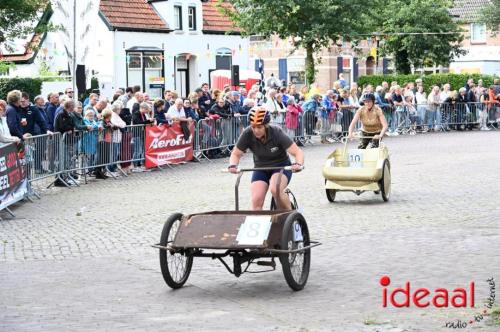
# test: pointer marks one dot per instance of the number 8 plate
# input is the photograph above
(254, 230)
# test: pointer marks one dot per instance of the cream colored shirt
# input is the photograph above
(370, 119)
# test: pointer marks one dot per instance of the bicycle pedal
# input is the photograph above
(267, 263)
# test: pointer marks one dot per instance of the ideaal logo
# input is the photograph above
(462, 297)
(423, 297)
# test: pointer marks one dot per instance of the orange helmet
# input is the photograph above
(259, 116)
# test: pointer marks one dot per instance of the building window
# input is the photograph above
(297, 77)
(223, 58)
(134, 69)
(370, 65)
(192, 18)
(178, 17)
(478, 33)
(146, 70)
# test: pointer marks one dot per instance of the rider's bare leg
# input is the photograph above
(283, 203)
(259, 191)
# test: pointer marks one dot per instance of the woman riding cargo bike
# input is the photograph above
(271, 148)
(359, 170)
(373, 121)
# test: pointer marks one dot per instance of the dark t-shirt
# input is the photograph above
(397, 98)
(268, 154)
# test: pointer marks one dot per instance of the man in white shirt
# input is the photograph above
(433, 112)
(136, 99)
(176, 111)
(444, 109)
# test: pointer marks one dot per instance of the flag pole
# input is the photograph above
(75, 92)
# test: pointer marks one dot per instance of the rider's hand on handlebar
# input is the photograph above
(377, 137)
(233, 169)
(296, 167)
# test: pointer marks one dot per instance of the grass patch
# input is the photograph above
(495, 317)
(370, 321)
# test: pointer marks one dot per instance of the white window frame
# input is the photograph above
(192, 18)
(482, 38)
(178, 16)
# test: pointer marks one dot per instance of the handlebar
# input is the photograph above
(346, 139)
(240, 174)
(279, 168)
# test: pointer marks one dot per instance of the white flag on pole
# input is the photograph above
(87, 14)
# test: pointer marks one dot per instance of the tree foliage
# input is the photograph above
(18, 16)
(456, 81)
(311, 24)
(490, 15)
(403, 25)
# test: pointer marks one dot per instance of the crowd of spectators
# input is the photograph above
(103, 130)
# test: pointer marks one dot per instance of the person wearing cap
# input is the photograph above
(373, 121)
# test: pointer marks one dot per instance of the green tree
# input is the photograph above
(490, 15)
(411, 33)
(312, 24)
(16, 16)
(5, 66)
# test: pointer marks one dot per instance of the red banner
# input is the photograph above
(166, 145)
(13, 177)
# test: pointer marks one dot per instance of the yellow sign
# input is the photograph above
(470, 71)
(157, 80)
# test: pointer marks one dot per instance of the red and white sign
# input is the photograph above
(166, 145)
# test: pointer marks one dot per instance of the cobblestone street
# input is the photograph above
(80, 259)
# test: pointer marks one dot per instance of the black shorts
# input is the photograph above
(266, 175)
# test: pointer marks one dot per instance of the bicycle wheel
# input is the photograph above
(175, 266)
(291, 197)
(295, 265)
(330, 194)
(385, 182)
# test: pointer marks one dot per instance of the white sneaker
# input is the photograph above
(137, 170)
(395, 133)
(331, 140)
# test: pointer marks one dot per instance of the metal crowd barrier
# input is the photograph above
(42, 154)
(70, 155)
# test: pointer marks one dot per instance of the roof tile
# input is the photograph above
(213, 20)
(467, 10)
(132, 14)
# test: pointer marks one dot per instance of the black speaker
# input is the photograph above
(81, 81)
(235, 75)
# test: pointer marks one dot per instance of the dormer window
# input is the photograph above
(192, 18)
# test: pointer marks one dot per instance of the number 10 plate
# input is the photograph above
(356, 158)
